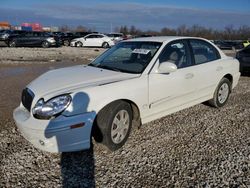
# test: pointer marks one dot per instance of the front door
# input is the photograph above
(168, 92)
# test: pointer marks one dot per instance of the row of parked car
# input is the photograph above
(230, 45)
(14, 38)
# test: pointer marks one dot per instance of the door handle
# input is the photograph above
(189, 76)
(220, 68)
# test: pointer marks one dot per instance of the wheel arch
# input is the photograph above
(135, 110)
(230, 78)
(136, 120)
(134, 107)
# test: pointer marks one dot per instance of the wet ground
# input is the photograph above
(14, 78)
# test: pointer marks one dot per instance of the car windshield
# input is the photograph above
(128, 57)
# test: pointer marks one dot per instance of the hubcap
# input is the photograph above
(223, 93)
(120, 126)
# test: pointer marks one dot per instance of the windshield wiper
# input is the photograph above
(92, 65)
(108, 67)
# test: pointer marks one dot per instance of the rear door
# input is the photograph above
(208, 66)
(35, 40)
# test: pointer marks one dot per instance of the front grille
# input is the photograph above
(27, 98)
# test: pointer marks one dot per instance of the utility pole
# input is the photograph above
(111, 27)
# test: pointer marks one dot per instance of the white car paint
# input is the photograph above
(92, 40)
(156, 95)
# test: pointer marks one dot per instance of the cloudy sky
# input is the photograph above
(102, 14)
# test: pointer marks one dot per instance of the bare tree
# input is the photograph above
(81, 28)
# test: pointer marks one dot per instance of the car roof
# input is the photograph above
(161, 38)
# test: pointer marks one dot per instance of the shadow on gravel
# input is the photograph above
(78, 169)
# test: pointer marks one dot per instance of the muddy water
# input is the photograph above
(13, 78)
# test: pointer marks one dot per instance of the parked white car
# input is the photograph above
(93, 40)
(117, 37)
(134, 82)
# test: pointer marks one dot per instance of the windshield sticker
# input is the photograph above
(141, 51)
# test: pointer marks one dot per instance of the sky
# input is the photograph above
(106, 15)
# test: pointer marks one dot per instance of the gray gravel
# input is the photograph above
(43, 55)
(197, 147)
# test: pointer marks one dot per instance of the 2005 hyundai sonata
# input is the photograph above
(134, 82)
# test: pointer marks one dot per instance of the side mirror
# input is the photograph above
(166, 67)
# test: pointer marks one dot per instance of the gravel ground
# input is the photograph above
(44, 55)
(196, 147)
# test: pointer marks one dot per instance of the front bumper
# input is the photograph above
(56, 135)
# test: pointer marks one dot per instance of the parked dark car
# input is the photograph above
(6, 34)
(223, 45)
(67, 37)
(244, 58)
(33, 39)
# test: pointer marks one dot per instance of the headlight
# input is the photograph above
(53, 107)
(51, 40)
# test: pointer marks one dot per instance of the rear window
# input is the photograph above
(203, 51)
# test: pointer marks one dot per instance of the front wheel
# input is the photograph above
(113, 125)
(221, 93)
(12, 44)
(45, 44)
(79, 44)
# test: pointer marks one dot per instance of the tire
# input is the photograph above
(45, 44)
(66, 43)
(105, 45)
(221, 93)
(107, 129)
(12, 44)
(79, 44)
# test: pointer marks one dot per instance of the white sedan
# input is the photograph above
(133, 83)
(93, 40)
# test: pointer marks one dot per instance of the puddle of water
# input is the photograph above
(6, 72)
(22, 70)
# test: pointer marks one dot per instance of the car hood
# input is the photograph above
(71, 78)
(77, 39)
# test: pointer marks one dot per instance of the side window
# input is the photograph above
(176, 52)
(203, 51)
(89, 37)
(29, 34)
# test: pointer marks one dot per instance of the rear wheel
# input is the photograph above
(12, 44)
(113, 125)
(105, 45)
(221, 93)
(45, 44)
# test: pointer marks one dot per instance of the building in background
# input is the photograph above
(5, 25)
(32, 27)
